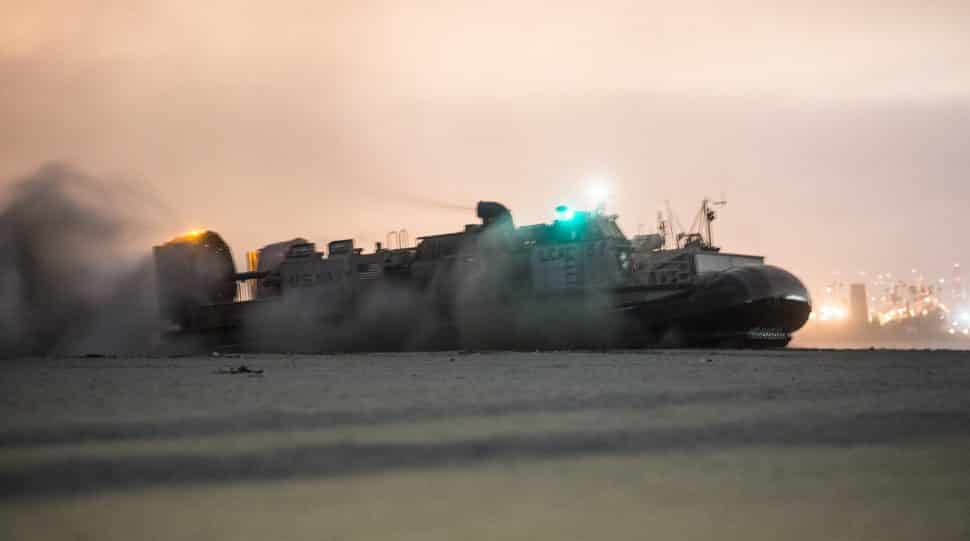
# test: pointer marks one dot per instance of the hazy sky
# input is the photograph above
(839, 131)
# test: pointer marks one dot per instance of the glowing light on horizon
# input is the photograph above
(831, 312)
(599, 192)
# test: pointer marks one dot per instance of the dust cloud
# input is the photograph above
(71, 279)
(469, 300)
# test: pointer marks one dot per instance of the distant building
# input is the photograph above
(858, 305)
(959, 293)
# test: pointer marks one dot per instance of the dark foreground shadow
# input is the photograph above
(81, 476)
(270, 421)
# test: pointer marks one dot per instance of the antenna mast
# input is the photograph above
(662, 228)
(674, 224)
(709, 215)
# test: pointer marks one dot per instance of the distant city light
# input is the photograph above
(829, 312)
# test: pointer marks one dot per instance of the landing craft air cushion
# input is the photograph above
(577, 282)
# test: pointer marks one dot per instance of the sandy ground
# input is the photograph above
(621, 445)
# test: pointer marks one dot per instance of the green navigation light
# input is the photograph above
(564, 213)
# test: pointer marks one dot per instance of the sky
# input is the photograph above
(838, 131)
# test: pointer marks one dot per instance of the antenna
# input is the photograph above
(662, 228)
(674, 224)
(708, 215)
